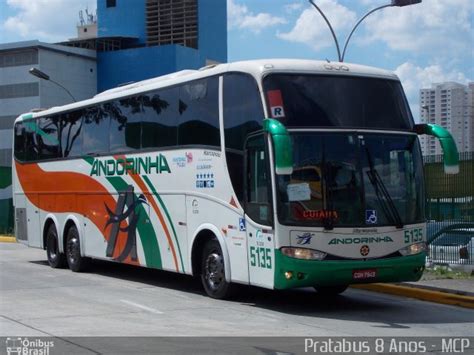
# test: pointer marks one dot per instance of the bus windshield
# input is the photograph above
(343, 179)
(306, 100)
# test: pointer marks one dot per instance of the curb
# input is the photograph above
(421, 294)
(439, 289)
(5, 239)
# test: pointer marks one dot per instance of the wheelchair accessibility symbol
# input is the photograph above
(242, 224)
(370, 216)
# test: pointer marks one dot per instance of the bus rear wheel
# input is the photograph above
(331, 290)
(55, 258)
(213, 271)
(75, 261)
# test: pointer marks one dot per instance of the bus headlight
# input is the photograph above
(303, 253)
(414, 249)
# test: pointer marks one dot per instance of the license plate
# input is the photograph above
(364, 274)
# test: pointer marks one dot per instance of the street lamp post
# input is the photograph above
(398, 3)
(41, 75)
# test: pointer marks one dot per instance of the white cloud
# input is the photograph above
(311, 29)
(239, 17)
(414, 78)
(295, 6)
(46, 20)
(439, 27)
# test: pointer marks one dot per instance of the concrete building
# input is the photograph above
(449, 105)
(157, 37)
(74, 68)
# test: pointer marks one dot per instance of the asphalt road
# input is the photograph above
(119, 300)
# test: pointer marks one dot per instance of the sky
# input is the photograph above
(423, 44)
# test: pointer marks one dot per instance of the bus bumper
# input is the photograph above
(305, 273)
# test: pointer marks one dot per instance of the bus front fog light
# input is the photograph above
(288, 275)
(414, 249)
(303, 253)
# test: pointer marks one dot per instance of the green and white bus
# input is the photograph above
(275, 173)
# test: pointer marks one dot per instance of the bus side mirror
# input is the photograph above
(281, 144)
(450, 151)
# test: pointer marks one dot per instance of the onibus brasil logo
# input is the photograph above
(21, 346)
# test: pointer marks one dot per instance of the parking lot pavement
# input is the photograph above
(117, 300)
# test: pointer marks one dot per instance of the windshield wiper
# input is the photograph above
(328, 221)
(383, 196)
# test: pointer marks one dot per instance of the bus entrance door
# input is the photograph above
(260, 240)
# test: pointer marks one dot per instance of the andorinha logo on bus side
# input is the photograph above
(125, 166)
(364, 240)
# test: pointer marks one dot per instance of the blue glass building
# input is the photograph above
(149, 38)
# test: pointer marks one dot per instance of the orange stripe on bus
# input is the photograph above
(63, 192)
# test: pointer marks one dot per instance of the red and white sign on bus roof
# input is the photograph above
(276, 104)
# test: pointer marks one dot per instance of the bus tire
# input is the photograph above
(55, 258)
(331, 290)
(213, 271)
(75, 261)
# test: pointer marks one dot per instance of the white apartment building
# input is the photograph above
(449, 105)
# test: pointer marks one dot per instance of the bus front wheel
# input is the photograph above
(213, 271)
(55, 258)
(331, 290)
(76, 262)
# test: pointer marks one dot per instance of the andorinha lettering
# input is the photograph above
(146, 165)
(363, 240)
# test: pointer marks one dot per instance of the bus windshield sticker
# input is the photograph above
(371, 216)
(276, 103)
(298, 192)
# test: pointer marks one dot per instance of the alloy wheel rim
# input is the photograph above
(72, 250)
(53, 250)
(214, 270)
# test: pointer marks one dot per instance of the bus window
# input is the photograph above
(31, 145)
(71, 134)
(243, 114)
(47, 137)
(258, 201)
(199, 113)
(125, 123)
(160, 125)
(19, 141)
(96, 131)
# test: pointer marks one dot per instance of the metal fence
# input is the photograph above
(450, 210)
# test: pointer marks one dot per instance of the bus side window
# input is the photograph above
(96, 131)
(19, 141)
(125, 123)
(258, 200)
(160, 121)
(198, 109)
(243, 114)
(71, 133)
(47, 138)
(31, 145)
